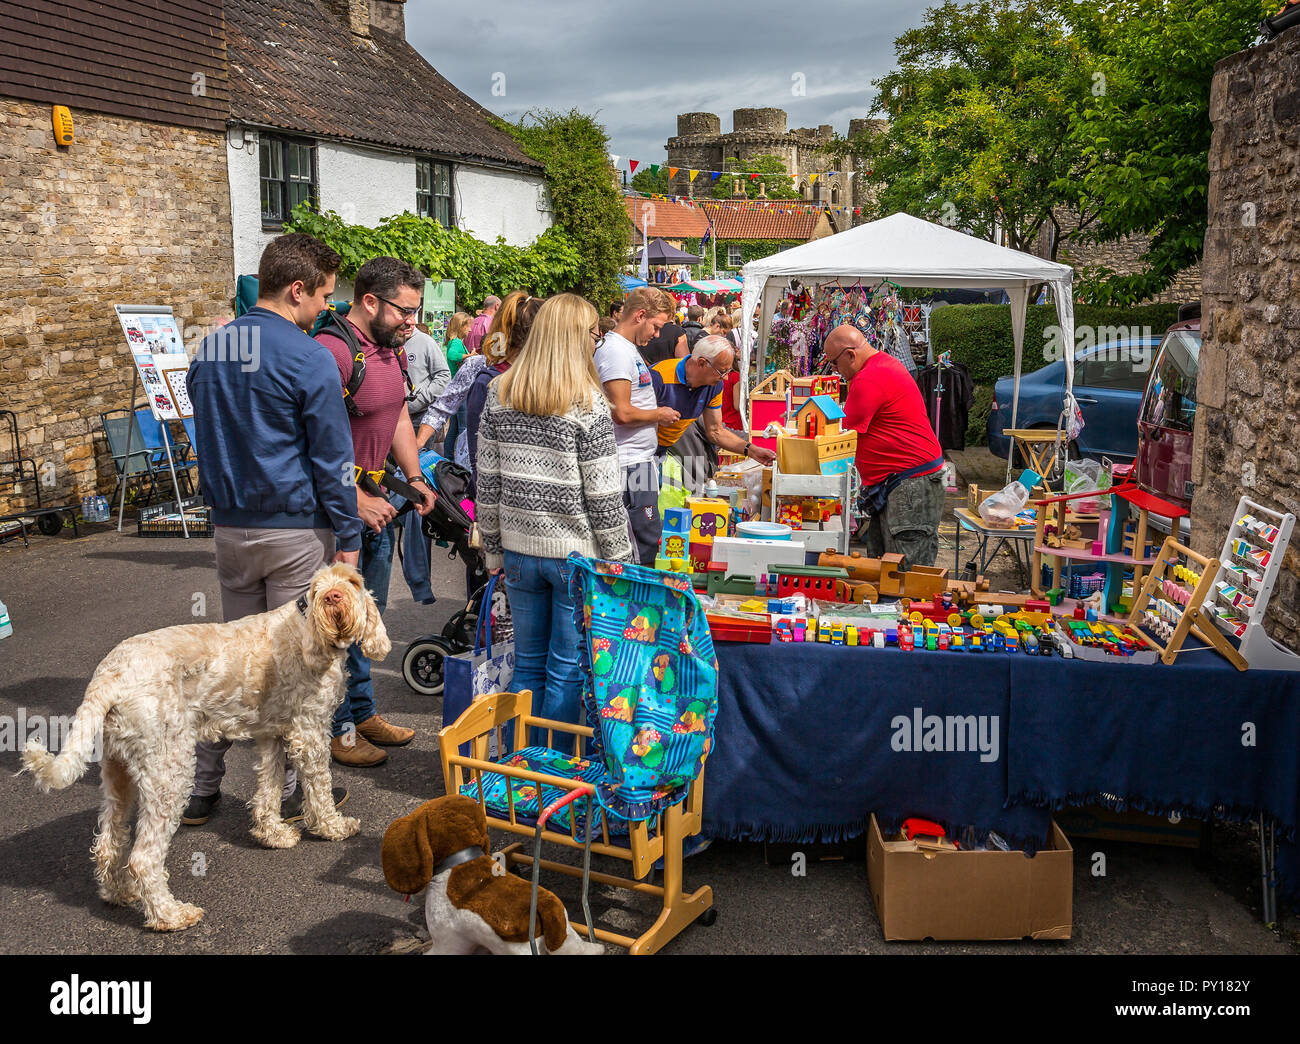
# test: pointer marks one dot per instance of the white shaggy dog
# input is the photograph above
(275, 678)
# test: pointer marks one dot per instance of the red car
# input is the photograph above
(1167, 417)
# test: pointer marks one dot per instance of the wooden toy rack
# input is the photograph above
(1173, 600)
(1249, 562)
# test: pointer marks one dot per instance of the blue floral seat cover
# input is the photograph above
(649, 682)
(526, 799)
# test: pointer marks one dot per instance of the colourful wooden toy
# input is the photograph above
(709, 516)
(820, 447)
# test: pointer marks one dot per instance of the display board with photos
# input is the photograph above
(158, 353)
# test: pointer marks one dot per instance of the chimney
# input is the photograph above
(762, 190)
(355, 14)
(389, 16)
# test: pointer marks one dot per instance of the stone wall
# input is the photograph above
(1248, 387)
(132, 213)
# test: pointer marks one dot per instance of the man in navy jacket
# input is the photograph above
(275, 460)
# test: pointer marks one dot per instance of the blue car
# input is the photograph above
(1108, 383)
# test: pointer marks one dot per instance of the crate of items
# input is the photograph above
(164, 520)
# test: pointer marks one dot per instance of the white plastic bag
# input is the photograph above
(1085, 476)
(1005, 504)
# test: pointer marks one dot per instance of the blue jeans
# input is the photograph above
(376, 567)
(546, 642)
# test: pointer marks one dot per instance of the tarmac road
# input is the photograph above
(72, 600)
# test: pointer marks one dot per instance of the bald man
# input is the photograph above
(899, 457)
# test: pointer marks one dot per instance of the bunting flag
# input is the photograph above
(753, 177)
(632, 165)
(693, 173)
(715, 174)
(672, 171)
(613, 159)
(812, 179)
(654, 168)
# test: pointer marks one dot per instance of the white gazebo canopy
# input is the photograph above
(909, 252)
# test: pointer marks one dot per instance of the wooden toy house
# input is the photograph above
(820, 447)
(804, 388)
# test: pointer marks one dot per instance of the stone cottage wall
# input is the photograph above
(132, 213)
(1248, 385)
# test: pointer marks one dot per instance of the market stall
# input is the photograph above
(1047, 733)
(907, 252)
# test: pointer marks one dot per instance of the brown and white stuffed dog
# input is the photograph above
(470, 905)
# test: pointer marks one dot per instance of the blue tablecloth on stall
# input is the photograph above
(1160, 738)
(804, 744)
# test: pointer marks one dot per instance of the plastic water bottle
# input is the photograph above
(6, 628)
(102, 513)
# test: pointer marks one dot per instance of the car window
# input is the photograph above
(1171, 399)
(1118, 368)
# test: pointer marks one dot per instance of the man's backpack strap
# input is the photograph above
(332, 322)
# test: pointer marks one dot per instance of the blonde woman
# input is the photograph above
(549, 483)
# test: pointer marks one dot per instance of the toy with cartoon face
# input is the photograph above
(674, 547)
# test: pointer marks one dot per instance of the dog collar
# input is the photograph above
(465, 855)
(302, 604)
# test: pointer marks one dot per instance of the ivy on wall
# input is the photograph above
(550, 265)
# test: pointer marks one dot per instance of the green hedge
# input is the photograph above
(980, 335)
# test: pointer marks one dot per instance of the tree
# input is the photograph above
(574, 150)
(653, 180)
(1144, 129)
(979, 110)
(770, 171)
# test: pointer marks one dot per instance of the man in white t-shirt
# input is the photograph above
(637, 417)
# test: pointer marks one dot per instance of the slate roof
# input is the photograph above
(293, 65)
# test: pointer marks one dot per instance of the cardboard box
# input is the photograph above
(823, 455)
(971, 895)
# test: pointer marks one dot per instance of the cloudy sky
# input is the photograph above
(637, 66)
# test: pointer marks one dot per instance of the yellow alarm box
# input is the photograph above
(64, 133)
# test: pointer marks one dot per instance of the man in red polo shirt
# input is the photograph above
(385, 301)
(899, 458)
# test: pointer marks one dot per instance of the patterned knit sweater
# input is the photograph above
(549, 485)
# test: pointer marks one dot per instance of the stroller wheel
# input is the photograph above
(422, 665)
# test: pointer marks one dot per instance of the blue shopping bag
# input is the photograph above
(485, 669)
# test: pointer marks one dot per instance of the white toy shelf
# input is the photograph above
(1248, 566)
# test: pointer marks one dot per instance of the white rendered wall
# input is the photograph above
(364, 186)
(493, 203)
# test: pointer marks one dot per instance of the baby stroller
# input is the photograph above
(449, 525)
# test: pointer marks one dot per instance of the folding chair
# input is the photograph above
(118, 425)
(157, 439)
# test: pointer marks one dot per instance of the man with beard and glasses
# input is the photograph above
(385, 302)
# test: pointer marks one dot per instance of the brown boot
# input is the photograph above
(382, 734)
(355, 750)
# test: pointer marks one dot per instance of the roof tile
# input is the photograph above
(294, 65)
(666, 220)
